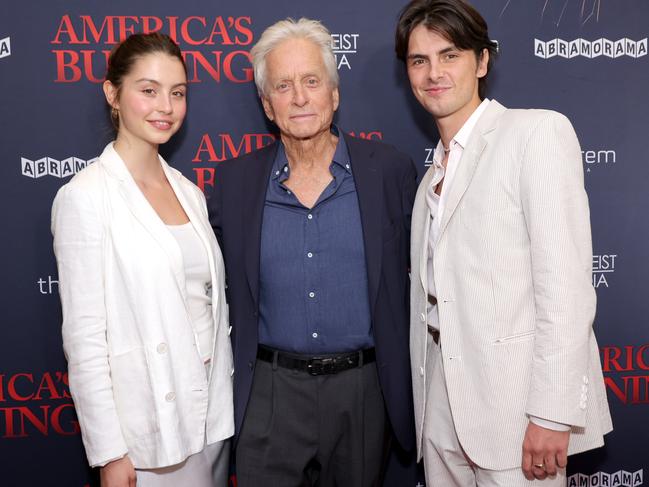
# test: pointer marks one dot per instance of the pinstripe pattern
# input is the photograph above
(513, 278)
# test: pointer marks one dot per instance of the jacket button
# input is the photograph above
(250, 365)
(170, 396)
(161, 348)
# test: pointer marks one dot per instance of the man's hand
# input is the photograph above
(546, 447)
(118, 473)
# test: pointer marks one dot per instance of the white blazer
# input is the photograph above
(136, 377)
(512, 270)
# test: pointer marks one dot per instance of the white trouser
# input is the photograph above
(445, 462)
(207, 468)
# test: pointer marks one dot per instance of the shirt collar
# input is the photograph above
(462, 136)
(341, 157)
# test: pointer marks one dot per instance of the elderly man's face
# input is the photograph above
(299, 97)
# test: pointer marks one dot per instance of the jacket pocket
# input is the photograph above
(133, 394)
(517, 337)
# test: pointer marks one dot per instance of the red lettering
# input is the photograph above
(612, 356)
(227, 146)
(66, 27)
(639, 358)
(247, 33)
(124, 29)
(69, 66)
(2, 388)
(65, 380)
(89, 24)
(638, 395)
(220, 30)
(173, 28)
(46, 385)
(204, 175)
(260, 140)
(87, 66)
(227, 67)
(184, 30)
(9, 423)
(205, 146)
(199, 58)
(613, 387)
(147, 27)
(56, 420)
(11, 387)
(27, 413)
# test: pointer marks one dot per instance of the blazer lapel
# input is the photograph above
(253, 189)
(469, 160)
(144, 212)
(368, 178)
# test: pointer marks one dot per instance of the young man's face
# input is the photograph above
(443, 78)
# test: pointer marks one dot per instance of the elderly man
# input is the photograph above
(315, 233)
(506, 372)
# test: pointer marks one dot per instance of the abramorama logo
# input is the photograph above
(621, 478)
(5, 47)
(590, 49)
(48, 166)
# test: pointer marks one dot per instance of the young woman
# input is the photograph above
(145, 323)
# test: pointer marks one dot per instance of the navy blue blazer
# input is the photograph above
(386, 182)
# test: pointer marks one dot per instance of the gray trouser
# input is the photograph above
(303, 430)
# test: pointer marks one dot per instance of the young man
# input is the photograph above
(506, 374)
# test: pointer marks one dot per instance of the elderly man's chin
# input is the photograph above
(305, 131)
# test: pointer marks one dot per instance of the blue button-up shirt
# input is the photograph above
(313, 295)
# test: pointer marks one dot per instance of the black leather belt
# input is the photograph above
(320, 364)
(434, 333)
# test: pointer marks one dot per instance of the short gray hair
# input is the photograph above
(312, 30)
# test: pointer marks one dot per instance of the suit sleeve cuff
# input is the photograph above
(551, 425)
(104, 463)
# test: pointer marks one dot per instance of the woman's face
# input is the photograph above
(152, 99)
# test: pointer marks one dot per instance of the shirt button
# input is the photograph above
(310, 216)
(170, 396)
(309, 255)
(422, 317)
(229, 331)
(161, 348)
(285, 168)
(314, 335)
(421, 371)
(276, 173)
(312, 294)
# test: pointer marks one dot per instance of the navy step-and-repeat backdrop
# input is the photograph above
(585, 58)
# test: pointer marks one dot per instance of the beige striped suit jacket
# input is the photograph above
(512, 270)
